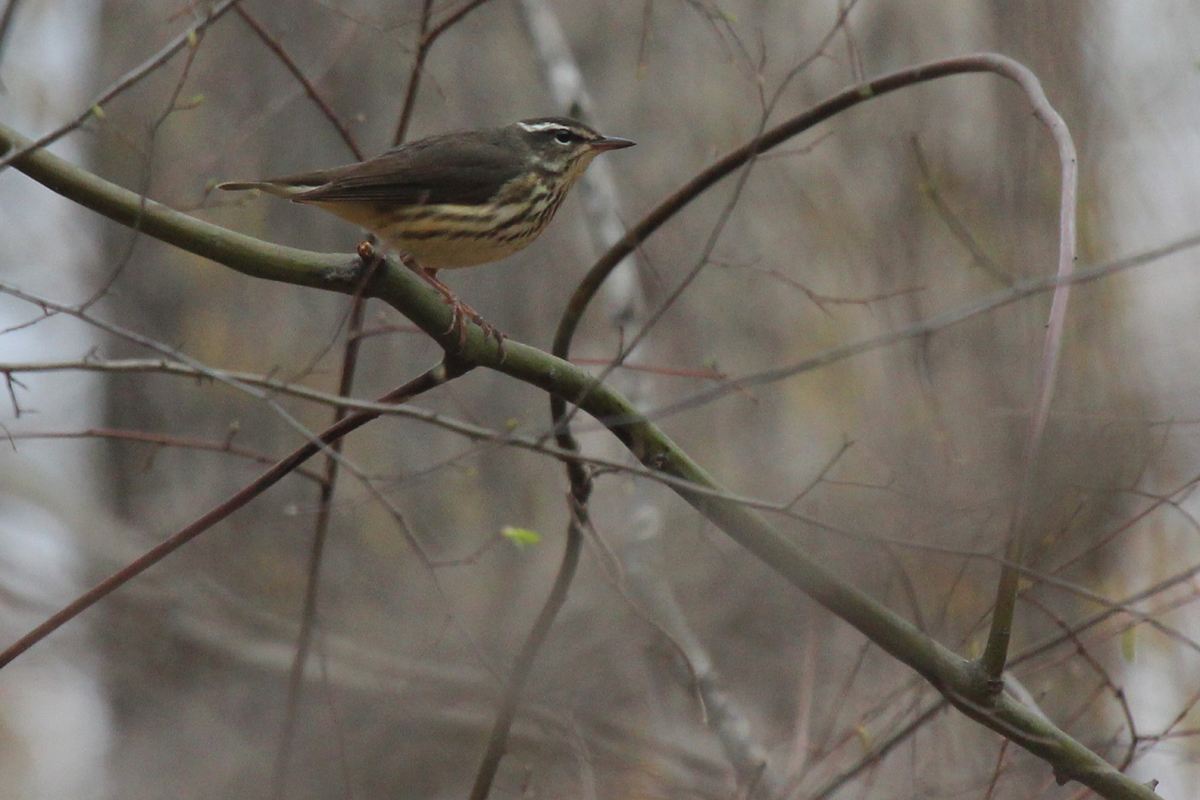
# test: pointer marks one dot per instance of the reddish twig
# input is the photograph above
(158, 440)
(290, 65)
(426, 37)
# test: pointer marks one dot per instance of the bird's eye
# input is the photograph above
(564, 136)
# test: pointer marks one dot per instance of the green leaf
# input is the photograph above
(521, 537)
(1129, 643)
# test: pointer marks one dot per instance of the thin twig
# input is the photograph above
(426, 37)
(157, 440)
(955, 225)
(308, 614)
(1023, 289)
(881, 750)
(125, 82)
(193, 48)
(498, 739)
(290, 65)
(414, 77)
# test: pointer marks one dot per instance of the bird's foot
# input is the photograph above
(460, 312)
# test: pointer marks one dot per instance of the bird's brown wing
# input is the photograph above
(441, 169)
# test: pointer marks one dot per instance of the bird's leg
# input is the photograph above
(460, 311)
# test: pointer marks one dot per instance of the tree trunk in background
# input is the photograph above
(54, 710)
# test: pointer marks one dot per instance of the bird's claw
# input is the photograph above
(461, 314)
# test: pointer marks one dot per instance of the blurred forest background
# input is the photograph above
(910, 456)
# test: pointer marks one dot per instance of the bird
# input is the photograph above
(455, 199)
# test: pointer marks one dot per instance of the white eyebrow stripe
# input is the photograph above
(543, 126)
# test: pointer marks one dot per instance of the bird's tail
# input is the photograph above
(270, 187)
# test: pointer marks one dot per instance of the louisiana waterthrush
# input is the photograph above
(455, 199)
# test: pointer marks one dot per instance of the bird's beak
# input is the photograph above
(610, 143)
